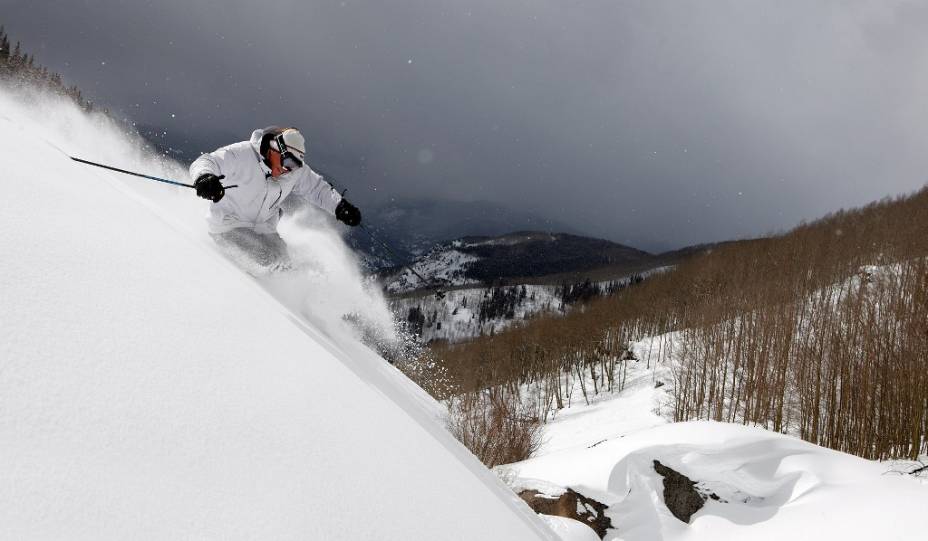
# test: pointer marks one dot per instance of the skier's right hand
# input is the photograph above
(347, 213)
(209, 186)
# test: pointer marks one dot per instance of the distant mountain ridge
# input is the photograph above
(529, 254)
(516, 257)
(413, 227)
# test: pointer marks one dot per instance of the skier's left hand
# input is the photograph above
(347, 213)
(209, 186)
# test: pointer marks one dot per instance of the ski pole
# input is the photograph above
(118, 170)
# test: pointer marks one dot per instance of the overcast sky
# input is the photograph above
(655, 123)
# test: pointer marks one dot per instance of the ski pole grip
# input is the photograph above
(220, 177)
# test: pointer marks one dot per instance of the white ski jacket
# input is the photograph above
(255, 203)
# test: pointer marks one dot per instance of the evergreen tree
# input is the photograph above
(4, 46)
(20, 67)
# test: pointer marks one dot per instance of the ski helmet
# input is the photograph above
(291, 145)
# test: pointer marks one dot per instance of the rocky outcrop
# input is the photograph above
(680, 494)
(570, 504)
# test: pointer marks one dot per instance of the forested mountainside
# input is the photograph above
(821, 332)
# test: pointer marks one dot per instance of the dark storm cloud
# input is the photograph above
(658, 123)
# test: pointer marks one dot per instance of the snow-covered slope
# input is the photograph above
(456, 316)
(150, 389)
(444, 267)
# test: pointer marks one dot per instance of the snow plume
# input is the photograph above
(327, 287)
(56, 120)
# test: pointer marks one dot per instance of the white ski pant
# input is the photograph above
(265, 249)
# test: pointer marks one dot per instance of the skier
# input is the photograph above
(268, 169)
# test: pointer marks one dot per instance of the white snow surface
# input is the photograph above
(569, 529)
(774, 486)
(149, 389)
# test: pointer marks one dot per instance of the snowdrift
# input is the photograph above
(769, 486)
(150, 389)
(765, 485)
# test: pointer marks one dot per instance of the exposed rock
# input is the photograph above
(680, 494)
(570, 504)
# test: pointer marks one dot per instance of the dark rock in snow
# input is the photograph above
(680, 494)
(570, 504)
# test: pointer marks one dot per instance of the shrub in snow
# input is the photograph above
(495, 425)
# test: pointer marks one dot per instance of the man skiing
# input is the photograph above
(268, 169)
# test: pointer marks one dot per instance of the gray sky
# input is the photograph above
(655, 123)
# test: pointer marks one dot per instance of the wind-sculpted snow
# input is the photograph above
(149, 389)
(756, 484)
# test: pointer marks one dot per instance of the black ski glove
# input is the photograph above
(347, 213)
(209, 187)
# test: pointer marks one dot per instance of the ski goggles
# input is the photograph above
(288, 159)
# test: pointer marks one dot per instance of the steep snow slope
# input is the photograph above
(150, 389)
